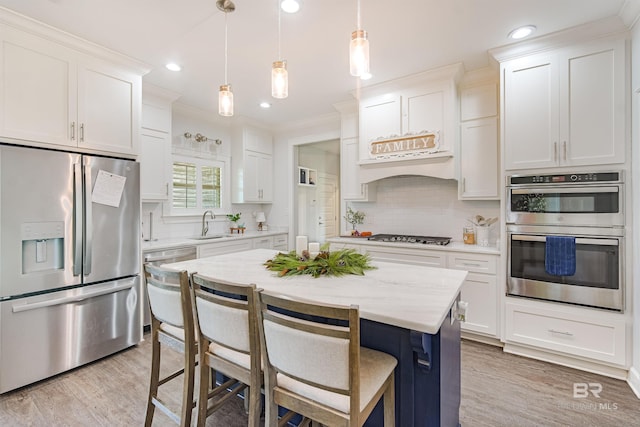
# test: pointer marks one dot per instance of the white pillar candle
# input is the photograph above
(314, 249)
(301, 244)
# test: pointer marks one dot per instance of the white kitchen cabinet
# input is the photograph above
(281, 242)
(55, 95)
(226, 247)
(350, 186)
(563, 329)
(479, 164)
(155, 143)
(478, 101)
(252, 166)
(565, 107)
(265, 242)
(479, 290)
(425, 102)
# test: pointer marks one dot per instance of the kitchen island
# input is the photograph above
(405, 310)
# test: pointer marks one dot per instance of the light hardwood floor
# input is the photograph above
(498, 389)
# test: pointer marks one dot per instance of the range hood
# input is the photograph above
(438, 165)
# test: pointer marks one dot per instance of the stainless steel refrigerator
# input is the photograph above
(69, 261)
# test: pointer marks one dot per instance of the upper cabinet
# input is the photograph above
(479, 149)
(155, 143)
(55, 94)
(251, 165)
(565, 107)
(409, 126)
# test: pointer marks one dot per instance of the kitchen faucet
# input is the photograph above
(205, 226)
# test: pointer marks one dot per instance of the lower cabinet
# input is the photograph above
(281, 242)
(263, 242)
(220, 248)
(574, 331)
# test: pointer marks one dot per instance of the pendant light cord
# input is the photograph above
(279, 15)
(226, 82)
(358, 15)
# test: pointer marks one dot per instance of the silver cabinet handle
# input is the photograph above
(464, 185)
(564, 150)
(73, 131)
(555, 151)
(82, 132)
(553, 331)
(470, 264)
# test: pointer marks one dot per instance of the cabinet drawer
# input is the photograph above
(224, 248)
(281, 242)
(476, 263)
(408, 256)
(263, 243)
(598, 337)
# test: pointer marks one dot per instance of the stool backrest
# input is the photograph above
(169, 295)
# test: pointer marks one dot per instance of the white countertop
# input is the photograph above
(408, 296)
(175, 242)
(453, 246)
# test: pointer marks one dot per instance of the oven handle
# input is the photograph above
(579, 240)
(556, 190)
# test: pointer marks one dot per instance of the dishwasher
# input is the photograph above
(159, 257)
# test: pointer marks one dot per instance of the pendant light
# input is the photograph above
(359, 50)
(225, 96)
(279, 74)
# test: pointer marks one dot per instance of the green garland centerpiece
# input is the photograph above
(335, 263)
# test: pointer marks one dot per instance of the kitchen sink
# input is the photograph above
(211, 237)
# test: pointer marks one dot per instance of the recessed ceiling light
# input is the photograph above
(366, 76)
(522, 32)
(173, 66)
(265, 104)
(290, 6)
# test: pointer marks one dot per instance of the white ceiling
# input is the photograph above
(406, 36)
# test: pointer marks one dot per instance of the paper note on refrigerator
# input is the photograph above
(108, 189)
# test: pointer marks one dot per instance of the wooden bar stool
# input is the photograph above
(314, 366)
(172, 324)
(229, 344)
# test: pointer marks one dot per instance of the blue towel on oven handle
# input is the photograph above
(560, 255)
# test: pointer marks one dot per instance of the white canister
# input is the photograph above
(482, 235)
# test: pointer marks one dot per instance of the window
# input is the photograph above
(197, 184)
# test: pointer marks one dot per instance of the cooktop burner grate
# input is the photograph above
(400, 238)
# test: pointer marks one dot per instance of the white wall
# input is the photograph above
(418, 205)
(634, 373)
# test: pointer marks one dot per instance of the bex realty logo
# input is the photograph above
(582, 390)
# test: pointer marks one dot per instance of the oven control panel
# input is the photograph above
(578, 178)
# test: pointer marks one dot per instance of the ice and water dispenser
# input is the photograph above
(42, 246)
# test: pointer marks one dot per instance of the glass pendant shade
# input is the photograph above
(279, 80)
(359, 53)
(225, 101)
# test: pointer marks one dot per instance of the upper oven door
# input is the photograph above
(569, 205)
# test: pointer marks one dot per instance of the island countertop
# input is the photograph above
(407, 296)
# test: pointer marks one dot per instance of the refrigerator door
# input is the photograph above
(112, 211)
(59, 331)
(36, 220)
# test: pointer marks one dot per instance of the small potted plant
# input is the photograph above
(354, 218)
(234, 218)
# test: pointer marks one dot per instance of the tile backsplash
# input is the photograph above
(422, 206)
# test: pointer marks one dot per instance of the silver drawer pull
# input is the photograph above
(553, 331)
(471, 264)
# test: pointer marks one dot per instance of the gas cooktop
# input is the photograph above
(399, 238)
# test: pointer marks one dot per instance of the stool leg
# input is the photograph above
(154, 377)
(187, 395)
(389, 404)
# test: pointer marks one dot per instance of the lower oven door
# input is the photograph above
(597, 282)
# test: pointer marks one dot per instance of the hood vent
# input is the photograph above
(438, 165)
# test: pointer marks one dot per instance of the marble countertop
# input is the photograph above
(175, 242)
(407, 296)
(453, 246)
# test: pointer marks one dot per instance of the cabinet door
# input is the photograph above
(423, 110)
(258, 177)
(155, 154)
(479, 159)
(350, 186)
(108, 107)
(479, 290)
(37, 89)
(257, 140)
(380, 117)
(265, 178)
(531, 112)
(593, 107)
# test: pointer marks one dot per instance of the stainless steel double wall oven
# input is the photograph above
(586, 206)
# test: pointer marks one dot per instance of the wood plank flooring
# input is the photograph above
(498, 389)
